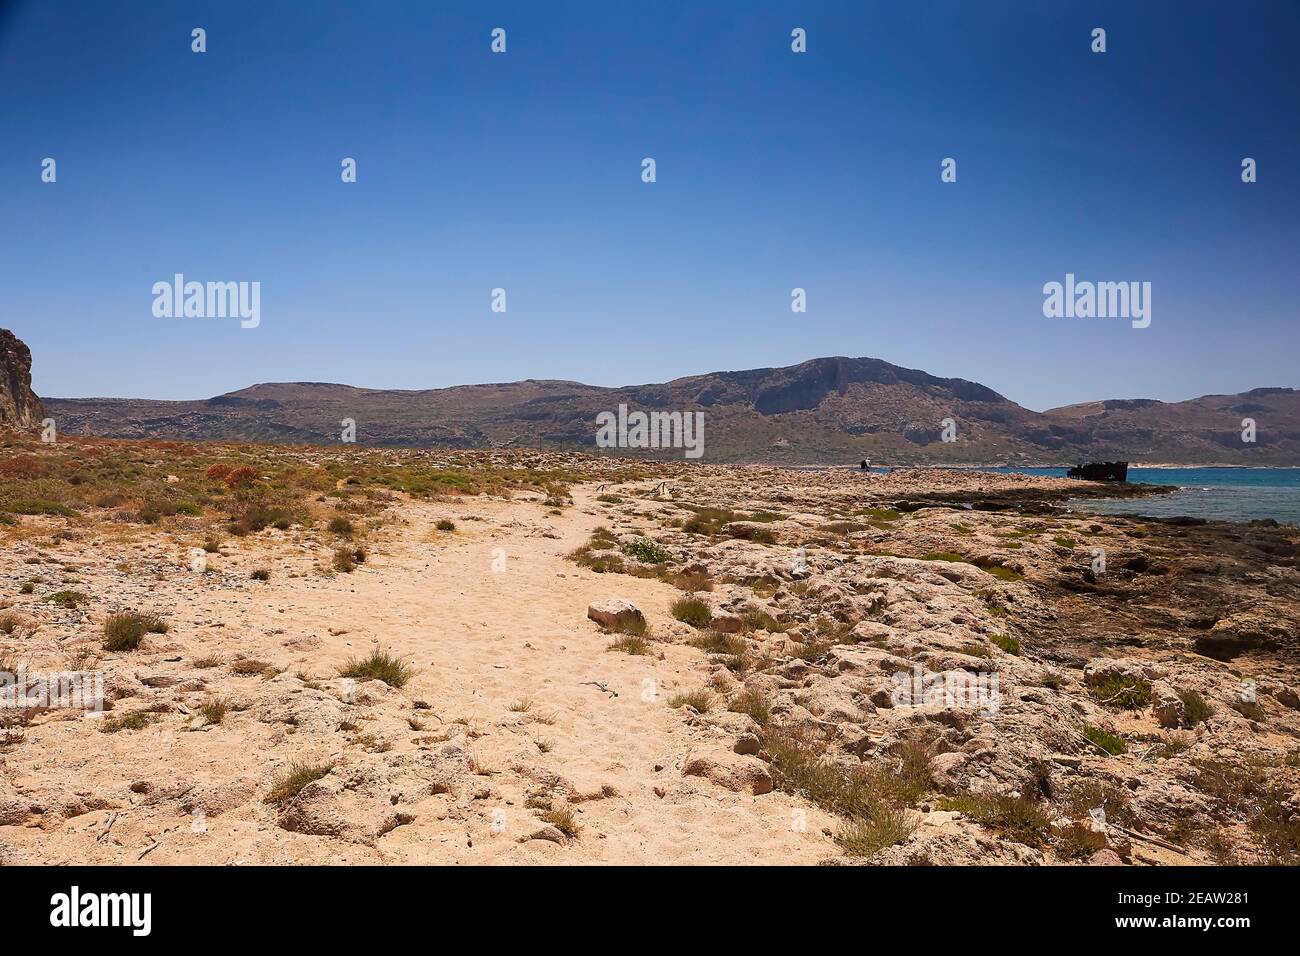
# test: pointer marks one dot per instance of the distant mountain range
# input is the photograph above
(826, 410)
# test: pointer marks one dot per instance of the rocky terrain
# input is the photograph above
(827, 410)
(347, 655)
(19, 406)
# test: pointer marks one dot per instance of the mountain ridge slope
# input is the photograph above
(824, 410)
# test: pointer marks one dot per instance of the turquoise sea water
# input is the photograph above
(1226, 494)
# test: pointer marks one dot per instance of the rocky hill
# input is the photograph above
(1205, 429)
(19, 406)
(826, 410)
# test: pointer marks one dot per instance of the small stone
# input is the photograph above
(725, 623)
(615, 612)
(1105, 858)
(548, 833)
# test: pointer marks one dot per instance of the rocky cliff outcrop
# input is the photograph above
(19, 406)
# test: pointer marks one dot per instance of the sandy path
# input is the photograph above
(481, 640)
(485, 639)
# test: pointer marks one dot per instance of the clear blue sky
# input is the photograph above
(775, 170)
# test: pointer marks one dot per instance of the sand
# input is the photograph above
(480, 641)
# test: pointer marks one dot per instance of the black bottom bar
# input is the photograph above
(225, 905)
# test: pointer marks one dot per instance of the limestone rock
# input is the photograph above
(615, 612)
(13, 808)
(19, 406)
(731, 771)
(1105, 858)
(349, 804)
(1167, 706)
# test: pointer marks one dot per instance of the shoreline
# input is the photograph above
(979, 466)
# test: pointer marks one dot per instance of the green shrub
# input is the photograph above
(1195, 707)
(630, 644)
(1107, 741)
(1122, 692)
(882, 827)
(873, 796)
(38, 506)
(700, 699)
(715, 642)
(643, 549)
(754, 704)
(944, 556)
(69, 599)
(1007, 642)
(1000, 572)
(136, 721)
(692, 611)
(258, 517)
(709, 521)
(1023, 820)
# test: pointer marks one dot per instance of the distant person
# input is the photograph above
(866, 464)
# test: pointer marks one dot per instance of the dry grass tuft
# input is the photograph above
(296, 780)
(379, 665)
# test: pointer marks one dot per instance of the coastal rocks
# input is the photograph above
(763, 531)
(832, 701)
(955, 844)
(1167, 706)
(1232, 636)
(726, 623)
(19, 406)
(1284, 695)
(1102, 669)
(13, 808)
(615, 613)
(946, 771)
(350, 804)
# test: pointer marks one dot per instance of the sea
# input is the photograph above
(1223, 494)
